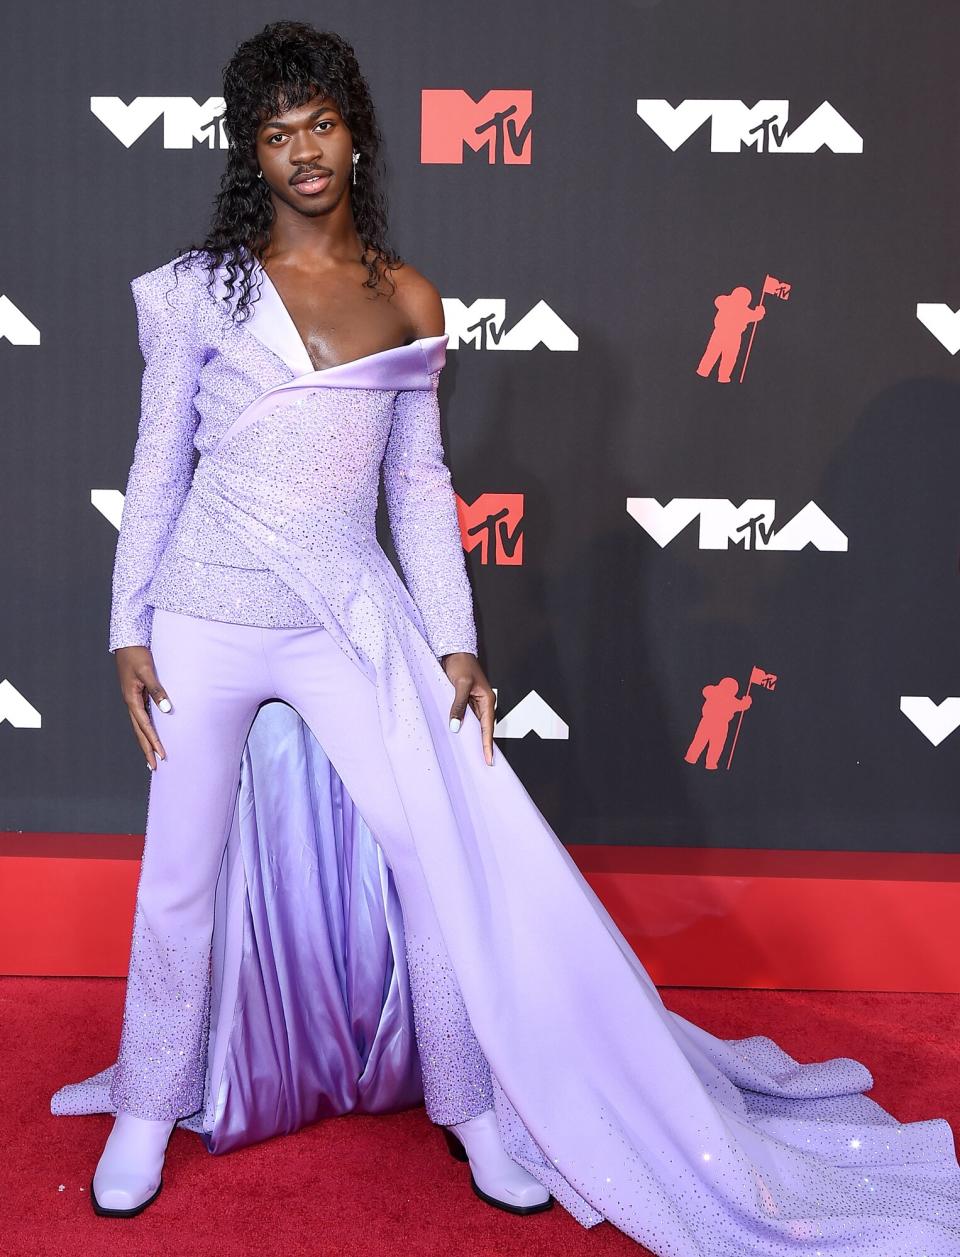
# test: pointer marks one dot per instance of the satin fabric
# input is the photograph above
(333, 937)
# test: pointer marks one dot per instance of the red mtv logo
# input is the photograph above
(494, 522)
(499, 121)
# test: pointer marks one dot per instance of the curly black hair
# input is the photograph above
(286, 65)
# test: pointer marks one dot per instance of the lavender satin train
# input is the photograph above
(693, 1145)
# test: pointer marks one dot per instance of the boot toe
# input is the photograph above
(122, 1194)
(496, 1177)
(523, 1195)
(514, 1197)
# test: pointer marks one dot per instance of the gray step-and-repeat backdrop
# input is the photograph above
(702, 406)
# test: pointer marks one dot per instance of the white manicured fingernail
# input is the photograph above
(454, 724)
(164, 704)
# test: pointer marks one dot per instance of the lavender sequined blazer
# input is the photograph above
(201, 370)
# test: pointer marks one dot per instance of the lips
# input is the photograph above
(313, 185)
(308, 176)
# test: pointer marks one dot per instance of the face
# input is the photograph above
(305, 156)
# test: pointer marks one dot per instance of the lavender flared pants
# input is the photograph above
(216, 675)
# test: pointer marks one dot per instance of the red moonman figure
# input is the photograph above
(720, 705)
(734, 315)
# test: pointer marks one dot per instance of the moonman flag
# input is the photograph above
(767, 679)
(777, 288)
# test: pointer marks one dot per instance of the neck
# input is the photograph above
(313, 241)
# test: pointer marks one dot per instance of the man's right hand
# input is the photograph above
(138, 684)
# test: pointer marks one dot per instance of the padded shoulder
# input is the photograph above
(168, 299)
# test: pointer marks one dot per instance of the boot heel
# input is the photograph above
(454, 1145)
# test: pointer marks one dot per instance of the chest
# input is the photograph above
(337, 318)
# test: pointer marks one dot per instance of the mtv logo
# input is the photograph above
(494, 523)
(499, 122)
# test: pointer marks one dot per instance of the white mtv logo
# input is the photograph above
(762, 127)
(750, 525)
(531, 715)
(15, 708)
(944, 323)
(15, 326)
(935, 721)
(185, 122)
(481, 324)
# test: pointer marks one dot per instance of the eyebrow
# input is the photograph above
(276, 122)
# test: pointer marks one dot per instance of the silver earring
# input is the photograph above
(356, 158)
(259, 174)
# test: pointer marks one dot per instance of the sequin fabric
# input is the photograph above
(201, 370)
(161, 1064)
(456, 1076)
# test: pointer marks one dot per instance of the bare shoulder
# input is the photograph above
(419, 299)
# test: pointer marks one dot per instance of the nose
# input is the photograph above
(305, 150)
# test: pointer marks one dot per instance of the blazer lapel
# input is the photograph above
(268, 321)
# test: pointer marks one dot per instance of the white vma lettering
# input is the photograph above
(935, 721)
(750, 525)
(944, 323)
(531, 715)
(185, 122)
(481, 324)
(109, 502)
(15, 326)
(763, 127)
(15, 708)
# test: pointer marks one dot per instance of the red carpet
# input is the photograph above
(371, 1185)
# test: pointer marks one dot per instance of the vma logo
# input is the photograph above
(481, 324)
(763, 128)
(750, 526)
(500, 122)
(185, 123)
(493, 524)
(18, 710)
(942, 322)
(936, 721)
(15, 326)
(109, 502)
(533, 714)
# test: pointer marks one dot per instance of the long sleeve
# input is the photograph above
(162, 467)
(422, 510)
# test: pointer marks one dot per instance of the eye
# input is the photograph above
(325, 122)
